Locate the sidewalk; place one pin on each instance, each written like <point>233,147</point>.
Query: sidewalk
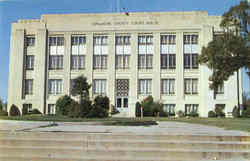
<point>166,128</point>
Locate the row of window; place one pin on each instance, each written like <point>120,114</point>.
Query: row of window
<point>169,108</point>
<point>121,40</point>
<point>123,52</point>
<point>78,62</point>
<point>144,86</point>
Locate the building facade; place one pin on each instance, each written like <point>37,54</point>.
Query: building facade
<point>124,56</point>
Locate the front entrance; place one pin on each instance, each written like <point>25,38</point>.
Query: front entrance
<point>122,90</point>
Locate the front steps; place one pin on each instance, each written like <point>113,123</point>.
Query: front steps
<point>52,146</point>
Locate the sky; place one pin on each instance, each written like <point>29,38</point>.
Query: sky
<point>12,10</point>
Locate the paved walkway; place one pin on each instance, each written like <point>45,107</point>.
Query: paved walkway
<point>167,128</point>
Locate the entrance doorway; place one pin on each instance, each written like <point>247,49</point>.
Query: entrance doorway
<point>122,91</point>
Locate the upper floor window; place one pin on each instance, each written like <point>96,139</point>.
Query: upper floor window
<point>122,52</point>
<point>29,62</point>
<point>220,89</point>
<point>56,52</point>
<point>30,41</point>
<point>191,50</point>
<point>55,86</point>
<point>190,86</point>
<point>145,86</point>
<point>168,51</point>
<point>28,86</point>
<point>100,52</point>
<point>168,86</point>
<point>78,52</point>
<point>146,51</point>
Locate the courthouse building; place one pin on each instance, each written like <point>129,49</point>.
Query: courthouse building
<point>125,56</point>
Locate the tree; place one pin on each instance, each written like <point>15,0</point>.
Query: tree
<point>228,52</point>
<point>1,105</point>
<point>81,88</point>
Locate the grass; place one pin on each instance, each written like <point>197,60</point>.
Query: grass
<point>242,124</point>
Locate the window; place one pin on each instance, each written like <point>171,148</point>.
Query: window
<point>145,86</point>
<point>51,109</point>
<point>55,86</point>
<point>30,41</point>
<point>100,52</point>
<point>191,49</point>
<point>29,63</point>
<point>28,107</point>
<point>123,51</point>
<point>168,51</point>
<point>146,51</point>
<point>220,89</point>
<point>191,86</point>
<point>168,86</point>
<point>99,86</point>
<point>28,87</point>
<point>56,52</point>
<point>169,108</point>
<point>191,108</point>
<point>78,52</point>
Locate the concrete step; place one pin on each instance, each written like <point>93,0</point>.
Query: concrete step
<point>111,136</point>
<point>121,144</point>
<point>113,154</point>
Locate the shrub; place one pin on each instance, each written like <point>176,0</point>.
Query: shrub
<point>180,113</point>
<point>24,110</point>
<point>211,114</point>
<point>147,106</point>
<point>63,105</point>
<point>85,107</point>
<point>138,109</point>
<point>74,110</point>
<point>14,111</point>
<point>35,111</point>
<point>246,113</point>
<point>97,112</point>
<point>193,114</point>
<point>3,113</point>
<point>219,110</point>
<point>100,107</point>
<point>102,101</point>
<point>236,112</point>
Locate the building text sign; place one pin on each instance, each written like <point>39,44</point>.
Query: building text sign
<point>123,23</point>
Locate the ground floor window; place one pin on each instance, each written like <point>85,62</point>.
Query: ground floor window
<point>169,108</point>
<point>28,107</point>
<point>191,108</point>
<point>51,109</point>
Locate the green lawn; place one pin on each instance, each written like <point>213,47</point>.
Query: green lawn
<point>242,124</point>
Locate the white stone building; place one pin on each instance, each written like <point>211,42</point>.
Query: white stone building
<point>124,56</point>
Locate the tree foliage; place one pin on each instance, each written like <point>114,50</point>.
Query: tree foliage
<point>228,51</point>
<point>81,88</point>
<point>226,54</point>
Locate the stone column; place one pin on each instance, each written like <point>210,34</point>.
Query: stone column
<point>40,79</point>
<point>16,79</point>
<point>179,72</point>
<point>156,75</point>
<point>133,82</point>
<point>66,65</point>
<point>111,68</point>
<point>89,61</point>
